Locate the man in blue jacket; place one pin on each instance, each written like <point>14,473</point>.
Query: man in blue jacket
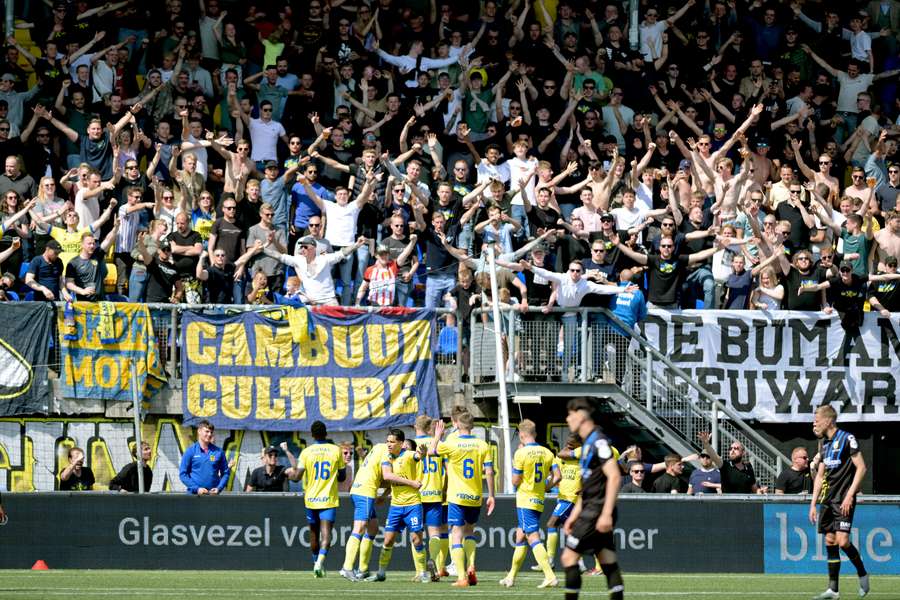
<point>204,468</point>
<point>631,308</point>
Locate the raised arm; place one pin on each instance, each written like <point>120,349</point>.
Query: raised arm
<point>820,61</point>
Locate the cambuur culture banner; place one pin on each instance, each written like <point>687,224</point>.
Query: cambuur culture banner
<point>99,341</point>
<point>778,366</point>
<point>283,369</point>
<point>25,339</point>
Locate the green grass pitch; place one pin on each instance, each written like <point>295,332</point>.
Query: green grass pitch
<point>159,585</point>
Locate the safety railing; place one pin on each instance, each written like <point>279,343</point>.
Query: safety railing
<point>446,342</point>
<point>582,345</point>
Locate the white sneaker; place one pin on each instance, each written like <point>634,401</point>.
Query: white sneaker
<point>828,594</point>
<point>863,586</point>
<point>548,583</point>
<point>423,578</point>
<point>349,575</point>
<point>507,582</point>
<point>451,570</point>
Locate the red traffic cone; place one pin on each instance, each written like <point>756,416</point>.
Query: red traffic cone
<point>40,565</point>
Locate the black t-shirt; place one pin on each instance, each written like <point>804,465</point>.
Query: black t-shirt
<point>667,483</point>
<point>228,238</point>
<point>794,482</point>
<point>46,273</point>
<point>888,294</point>
<point>127,478</point>
<point>796,280</point>
<point>220,284</point>
<point>632,488</point>
<point>737,481</point>
<point>261,481</point>
<point>665,278</point>
<point>848,298</point>
<point>186,265</point>
<point>799,231</point>
<point>162,280</point>
<point>75,482</point>
<point>437,258</point>
<point>540,219</point>
<point>86,273</point>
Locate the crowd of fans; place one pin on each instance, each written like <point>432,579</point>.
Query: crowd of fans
<point>744,156</point>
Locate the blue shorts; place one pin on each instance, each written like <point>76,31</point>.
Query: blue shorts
<point>529,519</point>
<point>462,515</point>
<point>435,513</point>
<point>563,509</point>
<point>363,508</point>
<point>314,516</point>
<point>401,517</point>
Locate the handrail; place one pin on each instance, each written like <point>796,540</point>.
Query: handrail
<point>644,343</point>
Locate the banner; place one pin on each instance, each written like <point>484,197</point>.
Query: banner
<point>793,545</point>
<point>25,340</point>
<point>99,344</point>
<point>283,369</point>
<point>779,366</point>
<point>266,531</point>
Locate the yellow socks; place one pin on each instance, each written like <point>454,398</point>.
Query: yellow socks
<point>469,544</point>
<point>385,559</point>
<point>458,554</point>
<point>419,558</point>
<point>540,555</point>
<point>552,542</point>
<point>365,552</point>
<point>518,559</point>
<point>352,550</point>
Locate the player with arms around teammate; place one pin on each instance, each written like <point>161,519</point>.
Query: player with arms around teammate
<point>589,529</point>
<point>402,469</point>
<point>533,472</point>
<point>836,484</point>
<point>569,488</point>
<point>321,464</point>
<point>434,479</point>
<point>364,492</point>
<point>468,459</point>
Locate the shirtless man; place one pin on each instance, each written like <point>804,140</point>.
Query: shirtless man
<point>858,189</point>
<point>820,176</point>
<point>704,141</point>
<point>887,241</point>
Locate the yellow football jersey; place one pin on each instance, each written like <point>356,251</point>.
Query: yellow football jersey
<point>368,477</point>
<point>570,484</point>
<point>534,463</point>
<point>408,466</point>
<point>321,463</point>
<point>433,474</point>
<point>467,458</point>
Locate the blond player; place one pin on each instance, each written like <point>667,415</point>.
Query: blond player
<point>468,462</point>
<point>533,472</point>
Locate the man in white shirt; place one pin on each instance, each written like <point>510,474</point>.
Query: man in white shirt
<point>569,290</point>
<point>651,30</point>
<point>852,83</point>
<point>314,269</point>
<point>264,134</point>
<point>340,218</point>
<point>413,62</point>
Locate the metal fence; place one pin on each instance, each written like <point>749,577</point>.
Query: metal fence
<point>580,345</point>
